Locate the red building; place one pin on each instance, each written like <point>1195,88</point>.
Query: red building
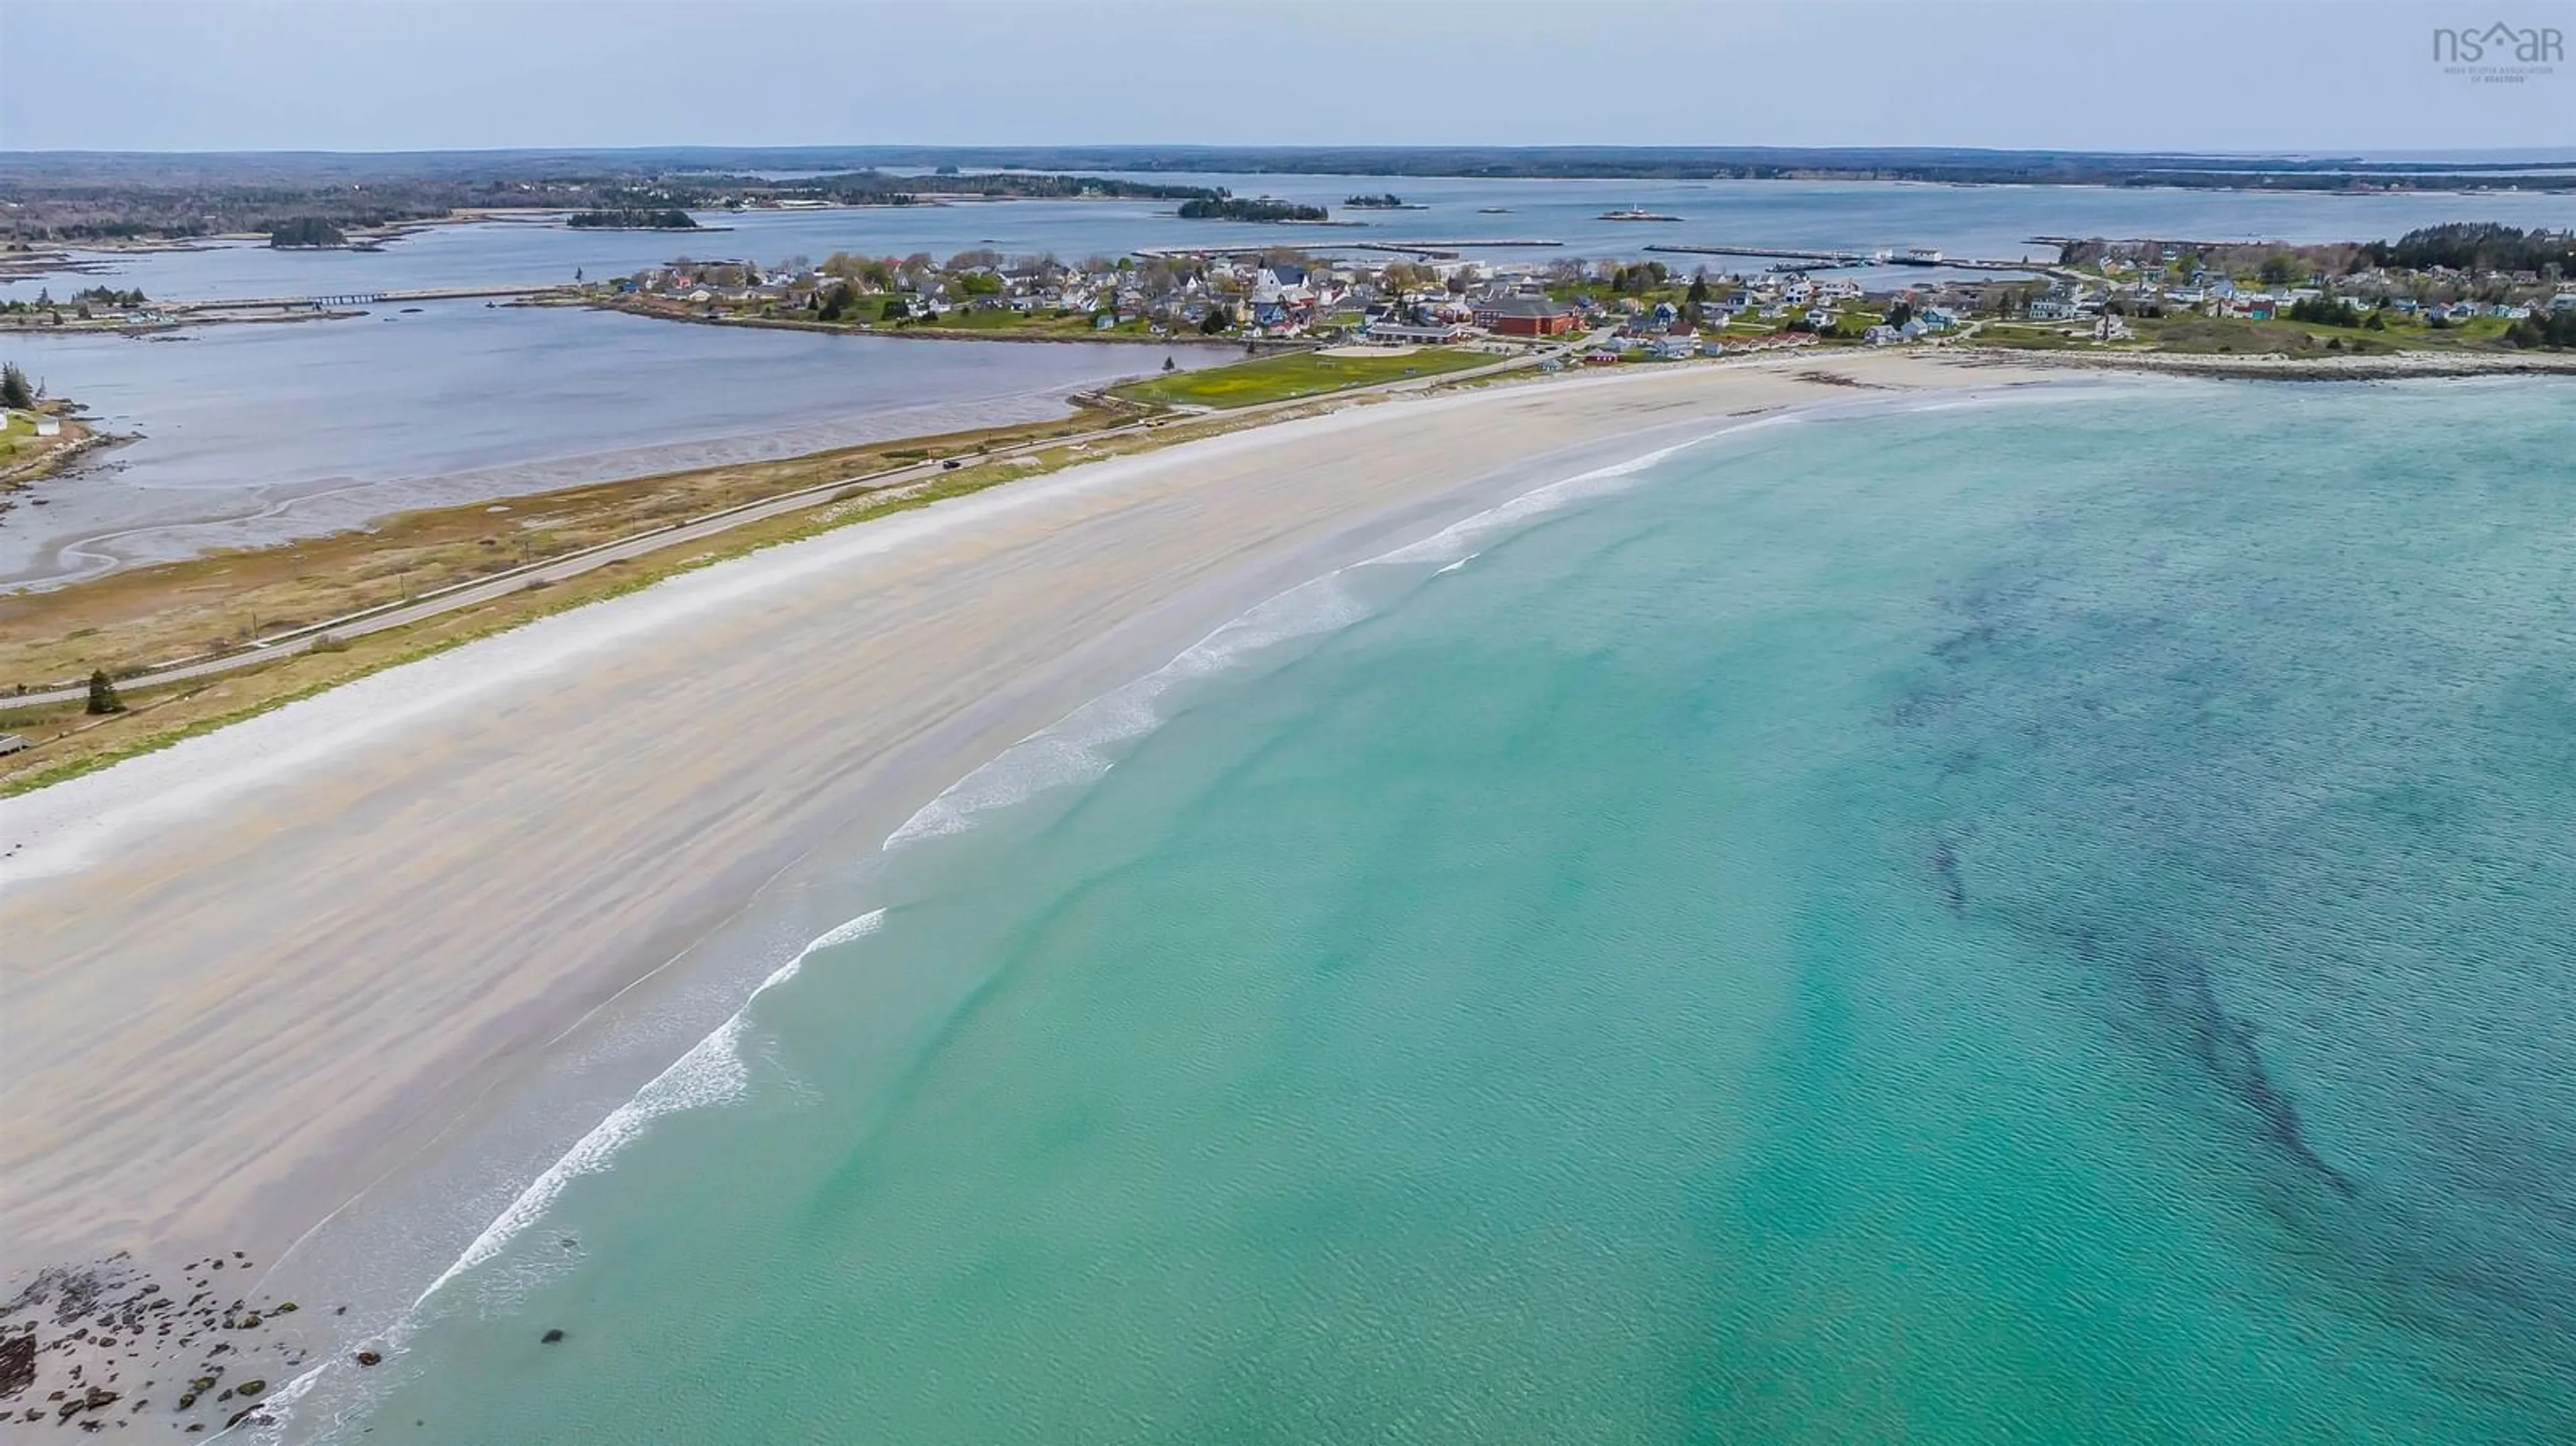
<point>1525,316</point>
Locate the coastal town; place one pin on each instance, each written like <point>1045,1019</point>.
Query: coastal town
<point>2480,283</point>
<point>2490,287</point>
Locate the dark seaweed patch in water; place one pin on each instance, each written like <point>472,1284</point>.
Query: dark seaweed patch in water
<point>2275,757</point>
<point>2224,1044</point>
<point>2175,987</point>
<point>1945,867</point>
<point>2003,621</point>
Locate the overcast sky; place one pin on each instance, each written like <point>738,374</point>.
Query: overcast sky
<point>438,74</point>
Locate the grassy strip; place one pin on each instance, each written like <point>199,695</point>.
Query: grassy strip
<point>2192,335</point>
<point>133,620</point>
<point>1298,374</point>
<point>353,662</point>
<point>357,658</point>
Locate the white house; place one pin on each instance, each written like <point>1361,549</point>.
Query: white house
<point>1404,334</point>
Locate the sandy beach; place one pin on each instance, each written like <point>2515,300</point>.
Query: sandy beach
<point>248,977</point>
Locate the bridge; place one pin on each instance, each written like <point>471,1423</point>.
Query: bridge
<point>346,299</point>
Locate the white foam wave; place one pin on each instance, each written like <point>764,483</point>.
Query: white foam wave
<point>858,928</point>
<point>1072,751</point>
<point>712,1072</point>
<point>1457,542</point>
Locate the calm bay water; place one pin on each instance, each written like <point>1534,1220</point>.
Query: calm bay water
<point>2018,923</point>
<point>261,434</point>
<point>250,434</point>
<point>1994,222</point>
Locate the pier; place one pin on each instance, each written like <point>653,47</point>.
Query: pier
<point>342,300</point>
<point>1856,258</point>
<point>1452,247</point>
<point>1775,253</point>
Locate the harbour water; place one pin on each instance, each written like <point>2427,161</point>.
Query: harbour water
<point>2021,921</point>
<point>1992,222</point>
<point>255,435</point>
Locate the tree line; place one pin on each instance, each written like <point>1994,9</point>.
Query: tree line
<point>117,198</point>
<point>633,219</point>
<point>2477,246</point>
<point>1237,208</point>
<point>2554,329</point>
<point>305,231</point>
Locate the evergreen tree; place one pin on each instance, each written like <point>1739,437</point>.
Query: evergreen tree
<point>102,694</point>
<point>305,231</point>
<point>14,390</point>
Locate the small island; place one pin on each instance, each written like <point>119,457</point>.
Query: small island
<point>1236,208</point>
<point>1388,201</point>
<point>633,219</point>
<point>305,233</point>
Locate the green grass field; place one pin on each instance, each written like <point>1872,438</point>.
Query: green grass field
<point>16,430</point>
<point>1042,323</point>
<point>2239,336</point>
<point>1297,374</point>
<point>2307,338</point>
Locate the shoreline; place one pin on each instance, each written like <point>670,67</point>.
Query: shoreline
<point>281,1072</point>
<point>2418,365</point>
<point>187,524</point>
<point>984,620</point>
<point>924,333</point>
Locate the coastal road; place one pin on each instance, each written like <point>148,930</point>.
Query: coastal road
<point>699,529</point>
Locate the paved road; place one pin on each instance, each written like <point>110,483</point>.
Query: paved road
<point>474,594</point>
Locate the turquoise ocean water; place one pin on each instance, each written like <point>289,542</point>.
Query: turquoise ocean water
<point>2034,922</point>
